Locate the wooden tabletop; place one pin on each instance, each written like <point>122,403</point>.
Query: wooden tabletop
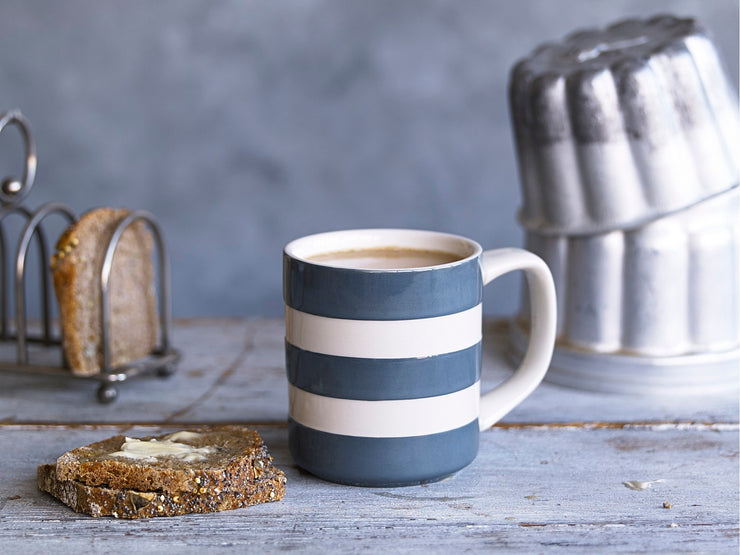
<point>566,470</point>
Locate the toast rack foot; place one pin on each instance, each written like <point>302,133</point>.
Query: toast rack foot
<point>107,393</point>
<point>166,371</point>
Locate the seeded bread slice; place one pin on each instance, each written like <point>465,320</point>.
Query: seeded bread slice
<point>129,504</point>
<point>76,267</point>
<point>238,456</point>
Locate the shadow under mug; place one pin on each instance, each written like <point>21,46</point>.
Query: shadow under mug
<point>384,365</point>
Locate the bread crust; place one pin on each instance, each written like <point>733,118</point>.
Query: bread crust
<point>76,266</point>
<point>130,504</point>
<point>240,457</point>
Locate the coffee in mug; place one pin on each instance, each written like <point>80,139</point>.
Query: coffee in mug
<point>383,352</point>
<point>385,258</point>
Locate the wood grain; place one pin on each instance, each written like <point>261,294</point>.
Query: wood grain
<point>234,371</point>
<point>549,478</point>
<point>530,489</point>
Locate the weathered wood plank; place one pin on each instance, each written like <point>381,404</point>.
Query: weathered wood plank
<point>233,370</point>
<point>211,348</point>
<point>529,490</point>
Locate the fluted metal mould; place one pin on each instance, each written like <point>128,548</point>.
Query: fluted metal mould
<point>650,309</point>
<point>618,127</point>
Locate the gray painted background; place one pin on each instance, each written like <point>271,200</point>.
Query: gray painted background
<point>243,125</point>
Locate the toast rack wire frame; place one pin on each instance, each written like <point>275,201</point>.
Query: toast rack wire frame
<point>163,359</point>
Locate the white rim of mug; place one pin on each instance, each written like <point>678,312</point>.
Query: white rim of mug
<point>293,249</point>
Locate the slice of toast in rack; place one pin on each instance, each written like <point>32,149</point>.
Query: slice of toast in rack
<point>76,267</point>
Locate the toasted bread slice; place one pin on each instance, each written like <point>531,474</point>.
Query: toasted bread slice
<point>76,266</point>
<point>129,504</point>
<point>224,458</point>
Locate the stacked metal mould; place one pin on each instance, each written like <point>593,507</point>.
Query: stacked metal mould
<point>628,142</point>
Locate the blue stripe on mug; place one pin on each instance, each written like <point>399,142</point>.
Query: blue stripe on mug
<point>383,462</point>
<point>377,379</point>
<point>391,295</point>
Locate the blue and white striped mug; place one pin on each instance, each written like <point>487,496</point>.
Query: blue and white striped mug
<point>383,354</point>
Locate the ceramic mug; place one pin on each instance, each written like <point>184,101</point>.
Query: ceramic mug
<point>383,356</point>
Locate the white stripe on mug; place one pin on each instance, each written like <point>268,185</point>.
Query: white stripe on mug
<point>398,418</point>
<point>418,338</point>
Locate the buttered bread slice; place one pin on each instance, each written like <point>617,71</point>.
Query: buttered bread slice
<point>130,504</point>
<point>202,461</point>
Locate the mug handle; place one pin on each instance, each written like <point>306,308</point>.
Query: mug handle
<point>504,397</point>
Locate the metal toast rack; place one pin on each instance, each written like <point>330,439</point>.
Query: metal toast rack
<point>47,335</point>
